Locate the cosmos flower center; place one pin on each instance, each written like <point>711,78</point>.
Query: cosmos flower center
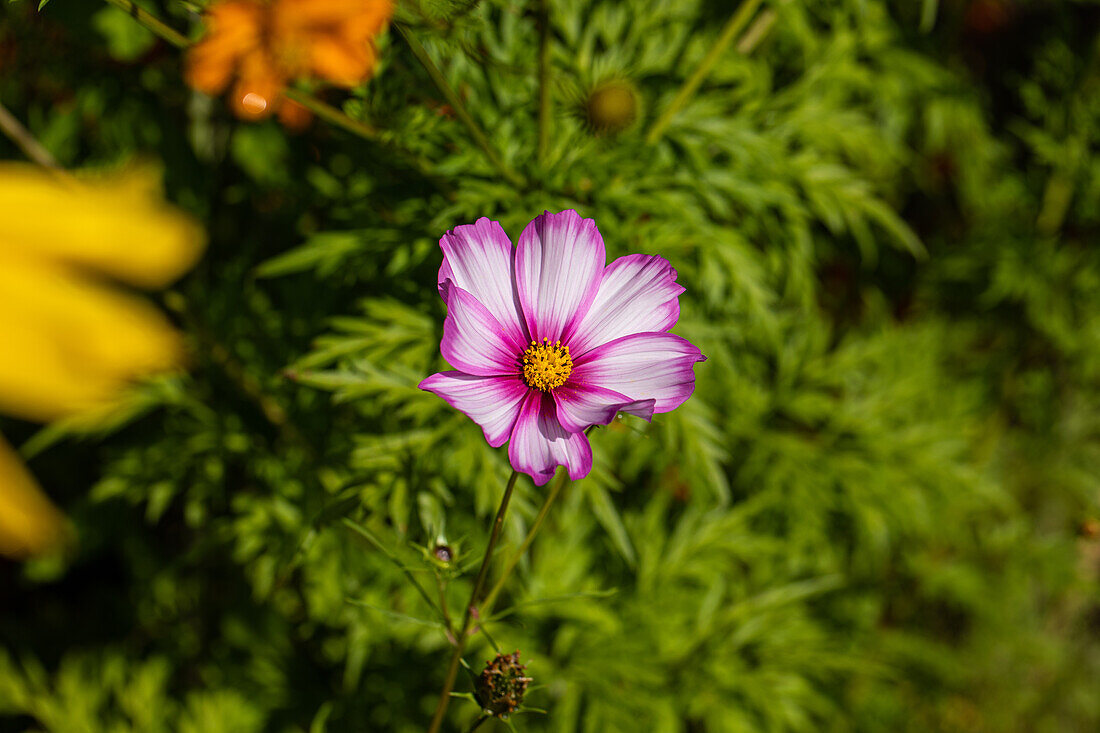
<point>546,365</point>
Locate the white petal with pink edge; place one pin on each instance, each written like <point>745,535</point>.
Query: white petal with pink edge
<point>657,366</point>
<point>491,402</point>
<point>559,263</point>
<point>473,341</point>
<point>540,444</point>
<point>581,406</point>
<point>638,294</point>
<point>478,258</point>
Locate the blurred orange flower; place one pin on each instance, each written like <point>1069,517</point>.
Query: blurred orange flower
<point>70,343</point>
<point>265,44</point>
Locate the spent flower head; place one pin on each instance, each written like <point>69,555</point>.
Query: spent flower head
<point>502,684</point>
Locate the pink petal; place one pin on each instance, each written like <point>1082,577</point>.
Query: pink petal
<point>491,402</point>
<point>638,294</point>
<point>580,406</point>
<point>658,366</point>
<point>473,341</point>
<point>478,258</point>
<point>559,263</point>
<point>540,444</point>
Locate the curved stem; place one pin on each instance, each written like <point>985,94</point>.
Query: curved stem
<point>331,114</point>
<point>487,606</point>
<point>479,584</point>
<point>152,22</point>
<point>14,130</point>
<point>733,27</point>
<point>460,109</point>
<point>335,116</point>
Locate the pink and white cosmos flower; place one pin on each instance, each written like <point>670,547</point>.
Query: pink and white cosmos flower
<point>546,340</point>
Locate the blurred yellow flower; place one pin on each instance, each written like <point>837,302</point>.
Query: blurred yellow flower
<point>29,524</point>
<point>70,342</point>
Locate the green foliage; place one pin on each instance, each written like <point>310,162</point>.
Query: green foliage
<point>127,696</point>
<point>866,518</point>
<point>126,40</point>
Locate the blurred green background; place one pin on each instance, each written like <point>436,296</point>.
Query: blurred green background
<point>879,512</point>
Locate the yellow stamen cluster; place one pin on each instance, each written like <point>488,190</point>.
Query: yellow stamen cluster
<point>546,365</point>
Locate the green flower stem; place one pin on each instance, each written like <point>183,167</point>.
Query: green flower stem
<point>555,489</point>
<point>477,723</point>
<point>467,617</point>
<point>443,607</point>
<point>152,22</point>
<point>460,109</point>
<point>544,79</point>
<point>687,91</point>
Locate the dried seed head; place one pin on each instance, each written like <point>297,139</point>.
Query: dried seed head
<point>501,685</point>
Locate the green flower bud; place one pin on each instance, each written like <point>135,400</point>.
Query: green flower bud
<point>443,553</point>
<point>611,107</point>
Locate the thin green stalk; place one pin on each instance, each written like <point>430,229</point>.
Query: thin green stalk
<point>365,534</point>
<point>928,15</point>
<point>687,91</point>
<point>331,114</point>
<point>555,489</point>
<point>544,79</point>
<point>479,584</point>
<point>152,22</point>
<point>757,32</point>
<point>443,607</point>
<point>336,117</point>
<point>1057,196</point>
<point>14,130</point>
<point>460,109</point>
